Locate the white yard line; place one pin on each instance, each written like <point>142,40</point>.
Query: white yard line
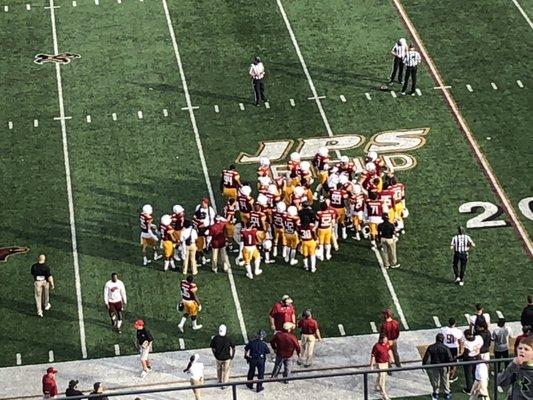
<point>367,95</point>
<point>468,133</point>
<point>117,350</point>
<point>393,93</point>
<point>373,327</point>
<point>418,91</point>
<point>267,104</point>
<point>28,7</point>
<point>217,109</point>
<point>499,314</point>
<point>69,186</point>
<point>519,83</point>
<point>88,119</point>
<point>35,123</point>
<point>51,352</point>
<point>19,359</point>
<point>165,112</point>
<point>469,88</point>
<point>523,13</point>
<point>467,316</point>
<point>140,114</point>
<point>114,116</point>
<point>343,99</point>
<point>10,125</point>
<point>6,8</point>
<point>241,106</point>
<point>182,343</point>
<point>202,158</point>
<point>341,329</point>
<point>292,102</point>
<point>437,321</point>
<point>330,134</point>
<point>494,86</point>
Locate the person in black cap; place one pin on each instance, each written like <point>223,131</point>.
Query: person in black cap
<point>387,239</point>
<point>71,390</point>
<point>257,73</point>
<point>98,389</point>
<point>255,354</point>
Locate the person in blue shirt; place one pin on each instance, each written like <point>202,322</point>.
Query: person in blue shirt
<point>255,354</point>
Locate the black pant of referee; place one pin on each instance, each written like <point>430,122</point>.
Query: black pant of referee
<point>259,91</point>
<point>410,72</point>
<point>397,67</point>
<point>459,265</point>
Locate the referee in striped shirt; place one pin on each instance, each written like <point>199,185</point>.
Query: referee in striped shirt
<point>411,60</point>
<point>461,244</point>
<point>398,51</point>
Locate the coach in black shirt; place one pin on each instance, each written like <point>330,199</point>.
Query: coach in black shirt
<point>42,282</point>
<point>438,353</point>
<point>224,351</point>
<point>386,236</point>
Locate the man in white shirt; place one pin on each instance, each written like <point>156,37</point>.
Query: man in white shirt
<point>257,73</point>
<point>189,236</point>
<point>115,300</point>
<point>399,50</point>
<point>472,347</point>
<point>411,60</point>
<point>453,339</point>
<point>478,318</point>
<point>196,371</point>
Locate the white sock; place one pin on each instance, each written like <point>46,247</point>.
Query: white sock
<point>293,254</point>
<point>145,260</point>
<point>286,253</point>
<point>119,323</point>
<point>194,323</point>
<point>267,256</point>
<point>305,263</point>
<point>172,264</point>
<point>313,263</point>
<point>275,251</point>
<point>249,271</point>
<point>167,263</point>
<point>328,250</point>
<point>182,322</point>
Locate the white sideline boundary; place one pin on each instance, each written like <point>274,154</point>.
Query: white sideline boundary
<point>202,159</point>
<point>330,134</point>
<point>468,133</point>
<point>526,17</point>
<point>69,186</point>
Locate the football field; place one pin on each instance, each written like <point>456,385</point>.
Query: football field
<point>160,102</point>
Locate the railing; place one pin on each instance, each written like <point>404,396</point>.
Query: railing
<point>365,373</point>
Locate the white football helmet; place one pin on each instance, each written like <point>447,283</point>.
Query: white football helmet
<point>305,166</point>
<point>264,161</point>
<point>292,211</point>
<point>299,191</point>
<point>262,199</point>
<point>333,179</point>
<point>345,159</point>
<point>246,190</point>
<point>357,188</point>
<point>372,156</point>
<point>370,167</point>
<point>323,151</point>
<point>272,189</point>
<point>264,180</point>
<point>281,207</point>
<point>147,209</point>
<point>166,219</point>
<point>177,209</point>
<point>295,156</point>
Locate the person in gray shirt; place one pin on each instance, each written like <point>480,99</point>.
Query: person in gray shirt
<point>500,337</point>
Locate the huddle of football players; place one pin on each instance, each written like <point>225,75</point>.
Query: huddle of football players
<point>281,215</point>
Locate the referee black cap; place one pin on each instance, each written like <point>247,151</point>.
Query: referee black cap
<point>461,230</point>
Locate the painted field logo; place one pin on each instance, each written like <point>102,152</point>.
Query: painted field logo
<point>5,252</point>
<point>390,145</point>
<point>62,58</point>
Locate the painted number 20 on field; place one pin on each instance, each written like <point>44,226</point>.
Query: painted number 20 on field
<point>489,212</point>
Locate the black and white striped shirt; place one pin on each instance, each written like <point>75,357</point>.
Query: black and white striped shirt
<point>462,243</point>
<point>412,58</point>
<point>399,50</point>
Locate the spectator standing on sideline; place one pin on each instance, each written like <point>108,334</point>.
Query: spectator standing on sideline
<point>98,389</point>
<point>257,73</point>
<point>382,356</point>
<point>43,281</point>
<point>284,344</point>
<point>115,300</point>
<point>50,390</point>
<point>479,318</point>
<point>461,244</point>
<point>144,344</point>
<point>189,236</point>
<point>526,332</point>
<point>310,333</point>
<point>519,373</point>
<point>411,60</point>
<point>527,313</point>
<point>196,371</point>
<point>472,345</point>
<point>399,51</point>
<point>71,390</point>
<point>217,231</point>
<point>224,350</point>
<point>480,388</point>
<point>500,337</point>
<point>386,236</point>
<point>255,354</point>
<point>391,328</point>
<point>439,353</point>
<point>484,333</point>
<point>453,339</point>
<point>281,312</point>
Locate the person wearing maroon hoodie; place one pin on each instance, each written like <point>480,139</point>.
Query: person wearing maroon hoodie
<point>50,390</point>
<point>391,328</point>
<point>218,244</point>
<point>284,345</point>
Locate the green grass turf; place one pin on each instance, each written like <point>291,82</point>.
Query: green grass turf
<point>128,65</point>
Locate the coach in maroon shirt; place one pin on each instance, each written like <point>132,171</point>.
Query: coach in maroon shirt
<point>283,311</point>
<point>310,333</point>
<point>49,383</point>
<point>218,244</point>
<point>284,345</point>
<point>391,328</point>
<point>382,356</point>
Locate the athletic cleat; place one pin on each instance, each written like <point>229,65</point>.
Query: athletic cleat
<point>270,261</point>
<point>294,262</point>
<point>457,280</point>
<point>146,262</point>
<point>250,276</point>
<point>328,257</point>
<point>48,306</point>
<point>258,271</point>
<point>461,283</point>
<point>40,313</point>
